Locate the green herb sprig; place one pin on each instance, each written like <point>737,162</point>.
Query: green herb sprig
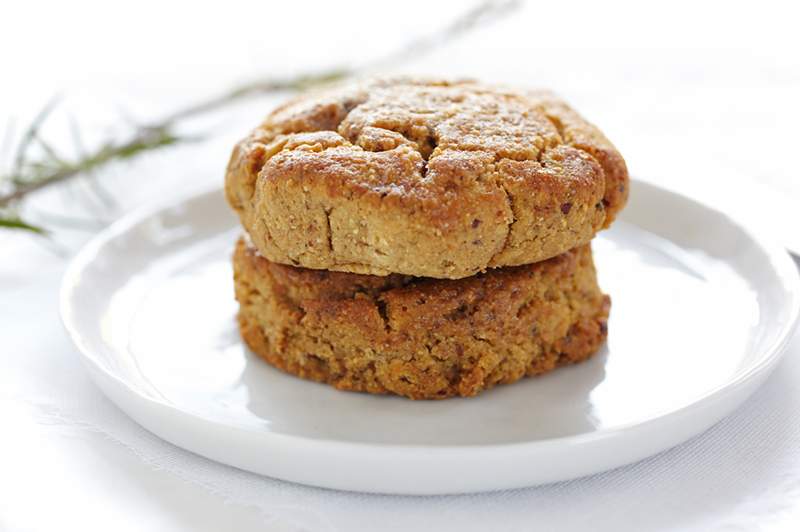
<point>29,174</point>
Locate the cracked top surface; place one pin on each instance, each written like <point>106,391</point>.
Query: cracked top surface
<point>425,178</point>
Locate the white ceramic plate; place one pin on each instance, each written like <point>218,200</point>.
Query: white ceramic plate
<point>701,311</point>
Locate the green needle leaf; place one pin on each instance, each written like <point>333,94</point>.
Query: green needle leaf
<point>17,223</point>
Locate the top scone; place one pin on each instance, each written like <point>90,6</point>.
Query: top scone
<point>425,178</point>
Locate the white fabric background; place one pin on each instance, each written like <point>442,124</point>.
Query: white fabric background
<point>700,97</point>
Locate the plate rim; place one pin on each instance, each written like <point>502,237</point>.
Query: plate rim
<point>769,355</point>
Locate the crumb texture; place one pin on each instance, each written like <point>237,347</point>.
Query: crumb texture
<point>427,178</point>
<point>421,338</point>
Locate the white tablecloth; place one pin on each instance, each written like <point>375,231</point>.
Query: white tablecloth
<point>705,114</point>
<point>71,460</point>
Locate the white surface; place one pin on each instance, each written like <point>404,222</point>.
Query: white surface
<point>695,95</point>
<point>149,303</point>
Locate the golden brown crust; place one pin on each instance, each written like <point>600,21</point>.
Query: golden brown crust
<point>436,179</point>
<point>421,338</point>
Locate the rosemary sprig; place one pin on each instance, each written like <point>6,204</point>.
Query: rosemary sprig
<point>12,222</point>
<point>28,175</point>
<point>145,139</point>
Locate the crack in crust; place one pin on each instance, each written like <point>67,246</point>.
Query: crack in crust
<point>509,227</point>
<point>400,169</point>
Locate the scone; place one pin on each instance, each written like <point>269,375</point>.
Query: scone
<point>424,178</point>
<point>421,338</point>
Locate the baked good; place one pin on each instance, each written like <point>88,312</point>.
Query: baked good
<point>425,178</point>
<point>420,338</point>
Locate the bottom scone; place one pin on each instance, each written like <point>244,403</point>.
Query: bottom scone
<point>418,337</point>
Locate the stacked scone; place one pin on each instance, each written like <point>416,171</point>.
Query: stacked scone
<point>422,238</point>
